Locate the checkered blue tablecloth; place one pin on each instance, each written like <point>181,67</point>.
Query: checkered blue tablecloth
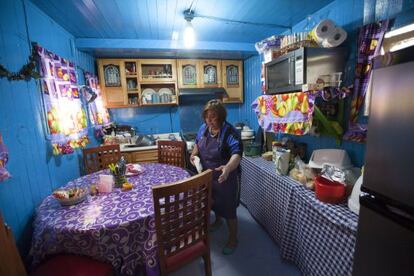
<point>318,237</point>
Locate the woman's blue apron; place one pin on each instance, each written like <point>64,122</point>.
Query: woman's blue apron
<point>225,194</point>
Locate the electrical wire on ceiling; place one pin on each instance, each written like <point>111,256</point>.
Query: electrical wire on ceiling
<point>190,14</point>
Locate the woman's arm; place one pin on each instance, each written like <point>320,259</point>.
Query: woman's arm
<point>229,167</point>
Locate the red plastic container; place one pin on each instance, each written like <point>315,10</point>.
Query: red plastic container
<point>329,191</point>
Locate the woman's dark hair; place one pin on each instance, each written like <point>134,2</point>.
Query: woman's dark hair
<point>217,107</point>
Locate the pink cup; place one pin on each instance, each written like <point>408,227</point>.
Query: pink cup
<point>105,183</point>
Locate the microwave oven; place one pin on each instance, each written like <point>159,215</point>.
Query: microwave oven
<point>303,66</point>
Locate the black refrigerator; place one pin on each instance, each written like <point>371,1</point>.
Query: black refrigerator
<point>385,238</point>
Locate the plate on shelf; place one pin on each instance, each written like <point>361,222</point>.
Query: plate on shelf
<point>165,95</point>
<point>133,169</point>
<point>165,91</point>
<point>147,95</point>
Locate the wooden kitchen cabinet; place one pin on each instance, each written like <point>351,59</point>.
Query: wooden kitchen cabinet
<point>138,82</point>
<point>210,72</point>
<point>197,73</point>
<point>113,82</point>
<point>188,71</point>
<point>141,156</point>
<point>158,82</point>
<point>232,72</point>
<point>157,70</point>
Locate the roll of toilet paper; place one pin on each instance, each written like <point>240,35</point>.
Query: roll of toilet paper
<point>323,30</point>
<point>335,39</point>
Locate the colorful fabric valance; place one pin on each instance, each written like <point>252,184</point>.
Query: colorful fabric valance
<point>66,117</point>
<point>98,114</point>
<point>285,113</point>
<point>4,157</point>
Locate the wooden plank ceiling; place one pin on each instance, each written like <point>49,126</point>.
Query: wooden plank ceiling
<point>155,20</point>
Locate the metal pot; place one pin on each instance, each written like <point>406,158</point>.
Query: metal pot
<point>144,140</point>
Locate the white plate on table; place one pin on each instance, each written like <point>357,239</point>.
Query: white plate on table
<point>133,169</point>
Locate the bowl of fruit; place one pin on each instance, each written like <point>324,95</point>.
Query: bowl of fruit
<point>70,196</point>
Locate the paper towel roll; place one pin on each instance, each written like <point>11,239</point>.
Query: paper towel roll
<point>335,39</point>
<point>197,164</point>
<point>323,30</point>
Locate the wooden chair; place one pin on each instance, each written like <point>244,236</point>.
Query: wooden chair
<point>182,214</point>
<point>96,159</point>
<point>59,265</point>
<point>171,152</point>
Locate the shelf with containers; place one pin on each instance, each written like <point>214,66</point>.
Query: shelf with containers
<point>132,81</point>
<point>158,82</point>
<point>159,94</point>
<point>157,70</point>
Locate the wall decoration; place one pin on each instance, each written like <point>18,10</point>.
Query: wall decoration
<point>27,72</point>
<point>98,114</point>
<point>66,118</point>
<point>285,113</point>
<point>4,157</point>
<point>369,44</point>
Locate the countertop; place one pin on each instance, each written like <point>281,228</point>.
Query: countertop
<point>162,136</point>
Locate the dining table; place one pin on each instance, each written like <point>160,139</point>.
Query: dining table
<point>116,227</point>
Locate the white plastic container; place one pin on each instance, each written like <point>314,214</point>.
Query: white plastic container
<point>334,157</point>
<point>353,200</point>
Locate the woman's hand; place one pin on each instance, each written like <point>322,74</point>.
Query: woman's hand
<point>192,156</point>
<point>224,173</point>
<point>194,153</point>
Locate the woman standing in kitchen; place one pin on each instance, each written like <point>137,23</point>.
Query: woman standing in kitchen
<point>219,148</point>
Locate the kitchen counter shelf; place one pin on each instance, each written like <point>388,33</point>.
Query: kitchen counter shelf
<point>320,238</point>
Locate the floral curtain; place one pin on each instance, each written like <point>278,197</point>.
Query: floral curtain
<point>98,114</point>
<point>66,118</point>
<point>369,44</point>
<point>4,157</point>
<point>285,113</point>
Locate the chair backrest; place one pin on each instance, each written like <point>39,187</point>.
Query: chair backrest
<point>171,152</point>
<point>10,261</point>
<point>99,158</point>
<point>182,214</point>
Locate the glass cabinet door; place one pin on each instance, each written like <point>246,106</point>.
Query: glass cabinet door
<point>232,75</point>
<point>112,75</point>
<point>189,74</point>
<point>210,74</point>
<point>157,70</point>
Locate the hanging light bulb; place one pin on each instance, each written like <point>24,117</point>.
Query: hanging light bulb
<point>189,34</point>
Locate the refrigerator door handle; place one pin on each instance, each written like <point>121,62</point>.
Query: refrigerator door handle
<point>396,214</point>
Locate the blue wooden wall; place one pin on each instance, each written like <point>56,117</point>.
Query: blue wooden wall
<point>35,171</point>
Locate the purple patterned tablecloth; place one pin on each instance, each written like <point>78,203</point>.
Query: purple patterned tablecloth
<point>117,227</point>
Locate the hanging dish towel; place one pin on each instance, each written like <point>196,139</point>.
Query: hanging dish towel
<point>286,113</point>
